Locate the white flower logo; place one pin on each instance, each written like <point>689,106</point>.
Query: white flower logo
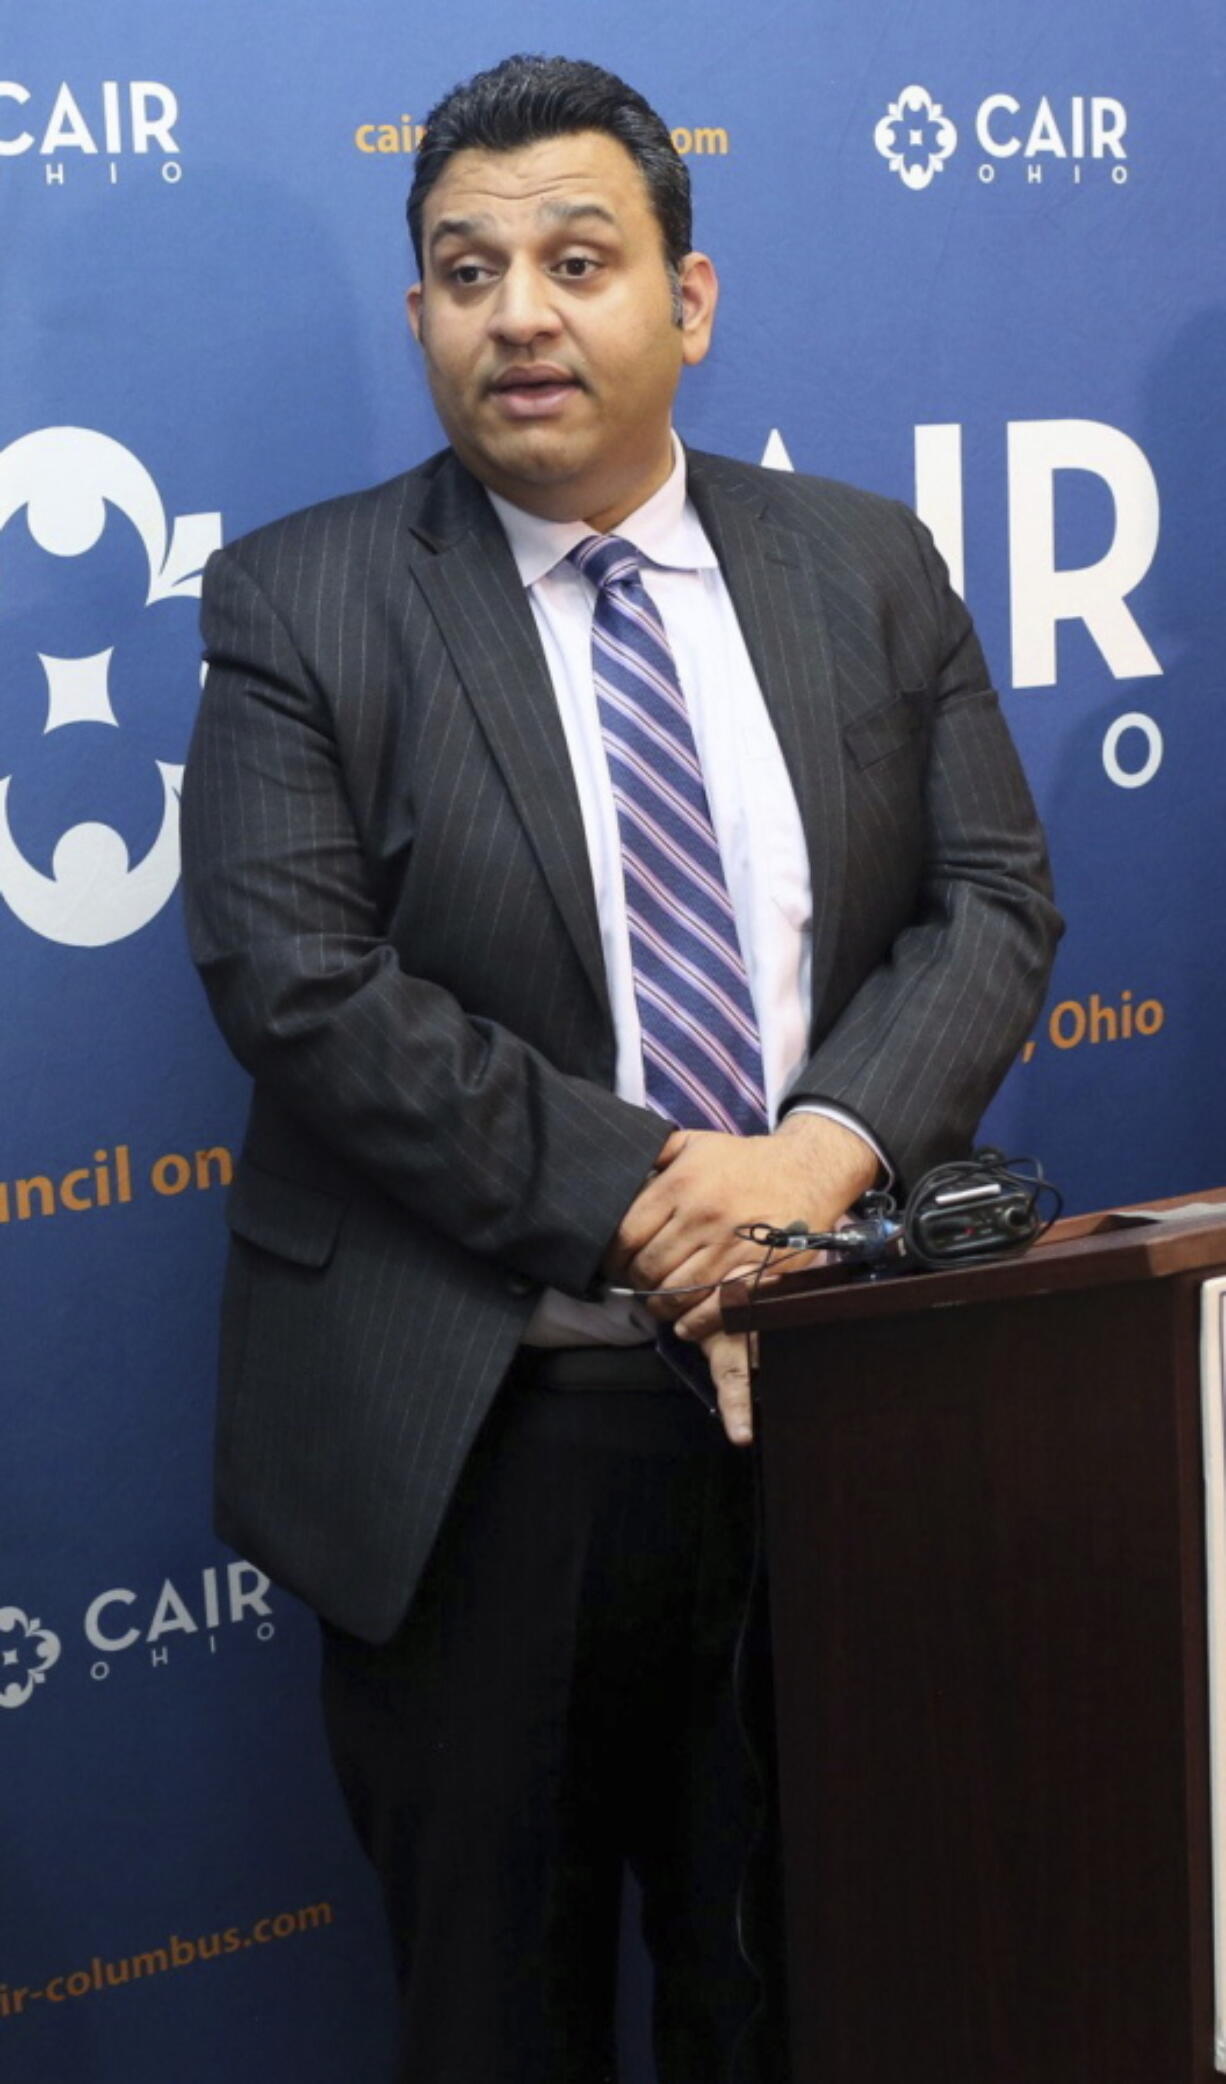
<point>915,137</point>
<point>109,717</point>
<point>27,1653</point>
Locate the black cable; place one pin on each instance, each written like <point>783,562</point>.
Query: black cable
<point>983,1207</point>
<point>776,1259</point>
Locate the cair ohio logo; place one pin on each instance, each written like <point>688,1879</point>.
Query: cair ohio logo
<point>1034,141</point>
<point>71,127</point>
<point>99,681</point>
<point>120,1620</point>
<point>27,1653</point>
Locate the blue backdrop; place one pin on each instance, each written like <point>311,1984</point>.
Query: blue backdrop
<point>969,257</point>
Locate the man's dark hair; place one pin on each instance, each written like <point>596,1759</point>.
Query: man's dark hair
<point>525,100</point>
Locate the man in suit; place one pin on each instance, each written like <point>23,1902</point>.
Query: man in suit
<point>487,1099</point>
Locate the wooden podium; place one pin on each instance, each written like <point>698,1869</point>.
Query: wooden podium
<point>985,1529</point>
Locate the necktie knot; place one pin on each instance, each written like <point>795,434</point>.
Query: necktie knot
<point>607,560</point>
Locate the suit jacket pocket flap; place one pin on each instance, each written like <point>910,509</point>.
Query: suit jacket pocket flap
<point>283,1217</point>
<point>884,730</point>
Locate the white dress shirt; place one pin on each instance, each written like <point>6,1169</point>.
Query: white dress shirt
<point>753,806</point>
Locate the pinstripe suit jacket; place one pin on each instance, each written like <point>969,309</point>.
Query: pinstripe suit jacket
<point>389,901</point>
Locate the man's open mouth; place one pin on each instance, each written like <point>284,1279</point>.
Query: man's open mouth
<point>546,378</point>
<point>532,391</point>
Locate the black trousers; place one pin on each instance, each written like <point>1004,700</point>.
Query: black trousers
<point>559,1702</point>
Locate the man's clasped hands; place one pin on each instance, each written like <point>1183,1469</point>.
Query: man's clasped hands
<point>680,1231</point>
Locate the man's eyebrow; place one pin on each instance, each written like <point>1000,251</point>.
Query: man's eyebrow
<point>556,212</point>
<point>459,228</point>
<point>566,213</point>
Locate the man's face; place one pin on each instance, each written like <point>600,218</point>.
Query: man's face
<point>548,321</point>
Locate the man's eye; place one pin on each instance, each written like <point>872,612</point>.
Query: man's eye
<point>576,265</point>
<point>467,274</point>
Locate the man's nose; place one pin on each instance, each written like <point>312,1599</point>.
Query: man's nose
<point>524,308</point>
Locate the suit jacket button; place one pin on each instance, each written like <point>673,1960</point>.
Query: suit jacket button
<point>518,1284</point>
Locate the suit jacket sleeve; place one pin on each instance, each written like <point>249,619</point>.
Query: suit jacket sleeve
<point>919,1047</point>
<point>461,1122</point>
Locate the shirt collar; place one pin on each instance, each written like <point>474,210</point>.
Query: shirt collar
<point>665,528</point>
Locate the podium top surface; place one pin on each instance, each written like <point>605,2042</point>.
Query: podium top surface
<point>1110,1248</point>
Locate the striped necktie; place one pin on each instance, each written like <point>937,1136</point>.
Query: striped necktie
<point>702,1056</point>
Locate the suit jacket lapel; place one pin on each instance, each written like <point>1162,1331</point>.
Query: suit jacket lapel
<point>770,571</point>
<point>465,568</point>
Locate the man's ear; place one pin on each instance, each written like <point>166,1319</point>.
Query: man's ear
<point>412,305</point>
<point>699,286</point>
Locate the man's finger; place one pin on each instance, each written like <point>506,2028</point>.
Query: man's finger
<point>728,1358</point>
<point>667,1309</point>
<point>686,1284</point>
<point>702,1317</point>
<point>653,1206</point>
<point>692,1277</point>
<point>637,1233</point>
